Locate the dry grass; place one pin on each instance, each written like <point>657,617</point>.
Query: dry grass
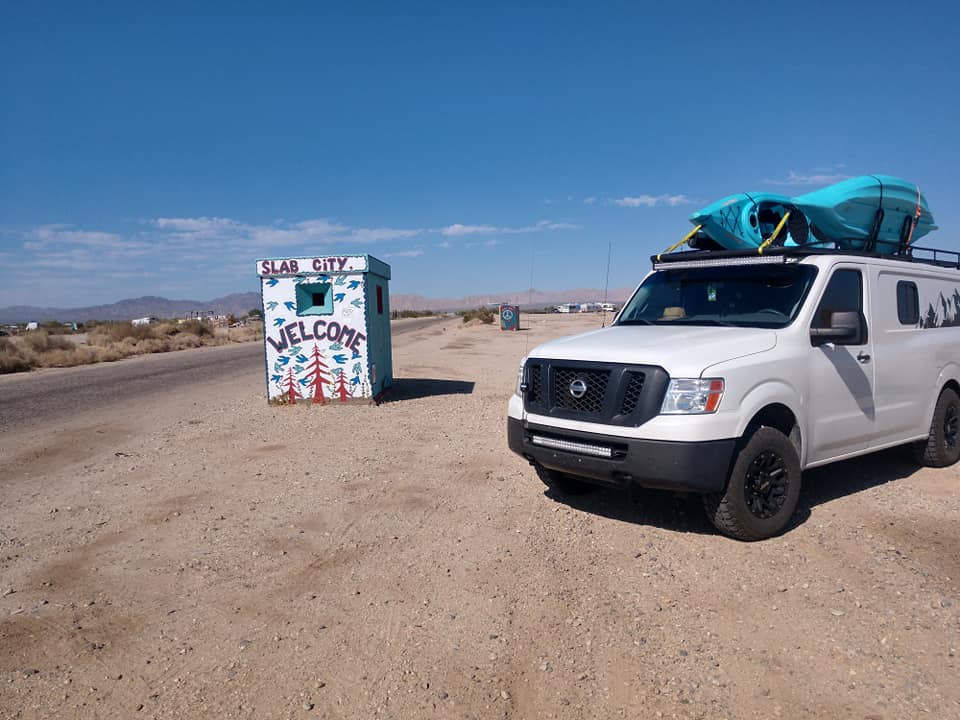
<point>115,341</point>
<point>13,358</point>
<point>484,315</point>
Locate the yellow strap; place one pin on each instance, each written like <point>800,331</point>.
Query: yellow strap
<point>773,237</point>
<point>681,242</point>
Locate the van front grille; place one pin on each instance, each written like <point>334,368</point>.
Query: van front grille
<point>607,393</point>
<point>566,387</point>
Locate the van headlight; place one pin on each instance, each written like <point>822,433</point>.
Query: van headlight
<point>692,396</point>
<point>518,389</point>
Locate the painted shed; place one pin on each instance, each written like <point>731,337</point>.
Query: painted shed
<point>326,328</point>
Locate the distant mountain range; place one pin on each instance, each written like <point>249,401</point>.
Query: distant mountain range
<point>242,303</point>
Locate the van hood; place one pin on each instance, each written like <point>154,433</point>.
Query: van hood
<point>683,351</point>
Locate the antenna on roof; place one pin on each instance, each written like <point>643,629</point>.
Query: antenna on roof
<point>526,336</point>
<point>606,286</point>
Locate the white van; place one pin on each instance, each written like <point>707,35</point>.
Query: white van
<point>728,373</point>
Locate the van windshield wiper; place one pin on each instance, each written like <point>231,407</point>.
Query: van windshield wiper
<point>635,321</point>
<point>705,321</point>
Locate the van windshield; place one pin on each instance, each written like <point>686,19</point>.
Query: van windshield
<point>766,296</point>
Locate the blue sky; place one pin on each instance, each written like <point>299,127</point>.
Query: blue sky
<point>158,149</point>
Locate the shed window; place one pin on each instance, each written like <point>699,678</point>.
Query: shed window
<point>908,303</point>
<point>314,299</point>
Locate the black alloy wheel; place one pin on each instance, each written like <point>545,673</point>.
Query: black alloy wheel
<point>942,446</point>
<point>762,490</point>
<point>951,427</point>
<point>766,486</point>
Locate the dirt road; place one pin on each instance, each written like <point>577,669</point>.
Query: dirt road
<point>194,552</point>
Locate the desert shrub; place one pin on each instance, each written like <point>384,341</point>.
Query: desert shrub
<point>196,327</point>
<point>182,341</point>
<point>13,358</point>
<point>254,331</point>
<point>69,358</point>
<point>412,313</point>
<point>484,315</point>
<point>154,345</point>
<point>40,341</point>
<point>166,329</point>
<point>111,353</point>
<point>126,329</point>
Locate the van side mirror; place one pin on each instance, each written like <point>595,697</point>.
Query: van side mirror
<point>843,326</point>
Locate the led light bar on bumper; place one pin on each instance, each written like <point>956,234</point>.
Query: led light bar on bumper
<point>692,396</point>
<point>572,446</point>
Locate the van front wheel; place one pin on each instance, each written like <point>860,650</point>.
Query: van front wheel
<point>762,491</point>
<point>942,447</point>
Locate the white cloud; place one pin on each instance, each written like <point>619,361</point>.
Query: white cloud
<point>47,236</point>
<point>416,252</point>
<point>651,201</point>
<point>457,229</point>
<point>815,178</point>
<point>589,201</point>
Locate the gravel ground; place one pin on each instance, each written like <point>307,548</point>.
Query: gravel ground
<point>198,553</point>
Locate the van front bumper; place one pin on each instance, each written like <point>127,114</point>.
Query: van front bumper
<point>686,466</point>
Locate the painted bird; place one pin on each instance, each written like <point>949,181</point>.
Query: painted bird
<point>301,358</point>
<point>339,296</point>
<point>277,322</point>
<point>290,305</point>
<point>353,284</point>
<point>340,359</point>
<point>272,305</point>
<point>272,281</point>
<point>357,303</point>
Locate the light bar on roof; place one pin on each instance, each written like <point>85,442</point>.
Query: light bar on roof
<point>721,262</point>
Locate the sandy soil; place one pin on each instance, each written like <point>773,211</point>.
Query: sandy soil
<point>202,554</point>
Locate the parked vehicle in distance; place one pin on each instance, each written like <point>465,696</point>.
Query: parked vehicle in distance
<point>728,373</point>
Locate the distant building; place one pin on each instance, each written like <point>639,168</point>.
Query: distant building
<point>32,326</point>
<point>143,321</point>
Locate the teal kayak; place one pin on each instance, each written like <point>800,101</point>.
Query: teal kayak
<point>871,212</point>
<point>745,220</point>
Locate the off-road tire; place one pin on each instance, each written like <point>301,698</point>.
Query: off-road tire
<point>942,446</point>
<point>564,484</point>
<point>762,490</point>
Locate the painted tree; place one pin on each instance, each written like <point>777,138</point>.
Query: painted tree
<point>292,393</point>
<point>318,372</point>
<point>341,388</point>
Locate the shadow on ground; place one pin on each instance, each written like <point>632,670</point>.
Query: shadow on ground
<point>684,513</point>
<point>414,388</point>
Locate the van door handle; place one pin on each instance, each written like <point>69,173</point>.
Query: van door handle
<point>863,357</point>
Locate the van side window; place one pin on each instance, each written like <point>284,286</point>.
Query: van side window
<point>844,293</point>
<point>908,303</point>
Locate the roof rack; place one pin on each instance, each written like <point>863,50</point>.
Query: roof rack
<point>782,254</point>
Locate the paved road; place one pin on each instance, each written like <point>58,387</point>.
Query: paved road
<point>28,399</point>
<point>31,398</point>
